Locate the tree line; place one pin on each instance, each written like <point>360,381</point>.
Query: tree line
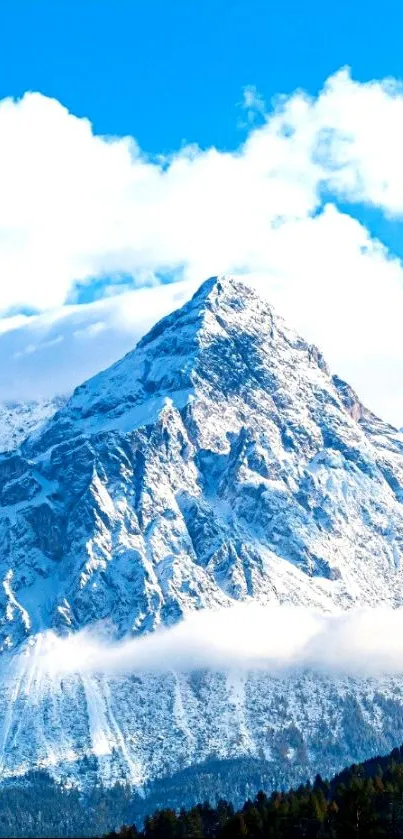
<point>364,801</point>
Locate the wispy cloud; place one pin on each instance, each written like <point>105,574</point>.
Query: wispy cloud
<point>55,351</point>
<point>253,105</point>
<point>362,642</point>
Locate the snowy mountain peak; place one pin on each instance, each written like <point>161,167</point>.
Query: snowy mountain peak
<point>216,295</point>
<point>219,461</point>
<point>225,340</point>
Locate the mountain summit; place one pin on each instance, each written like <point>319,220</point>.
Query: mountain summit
<point>218,461</point>
<point>215,346</point>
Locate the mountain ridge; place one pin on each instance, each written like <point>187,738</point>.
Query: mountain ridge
<point>18,418</point>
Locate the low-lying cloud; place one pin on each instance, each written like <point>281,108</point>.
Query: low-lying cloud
<point>361,642</point>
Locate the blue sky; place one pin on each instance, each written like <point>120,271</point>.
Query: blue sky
<point>168,72</point>
<point>86,222</point>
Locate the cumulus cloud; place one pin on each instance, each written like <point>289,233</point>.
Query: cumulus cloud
<point>75,205</point>
<point>77,208</point>
<point>362,642</point>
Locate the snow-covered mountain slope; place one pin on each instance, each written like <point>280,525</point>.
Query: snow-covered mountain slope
<point>18,419</point>
<point>218,461</point>
<point>139,728</point>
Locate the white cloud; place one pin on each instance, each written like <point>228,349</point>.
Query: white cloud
<point>253,105</point>
<point>359,131</point>
<point>55,351</point>
<point>362,642</point>
<point>75,206</point>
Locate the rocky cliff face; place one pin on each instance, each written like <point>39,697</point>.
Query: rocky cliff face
<point>218,461</point>
<point>18,419</point>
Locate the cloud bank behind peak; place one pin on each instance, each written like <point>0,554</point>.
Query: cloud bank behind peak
<point>79,210</point>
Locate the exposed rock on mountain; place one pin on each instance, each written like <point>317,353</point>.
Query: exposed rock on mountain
<point>18,419</point>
